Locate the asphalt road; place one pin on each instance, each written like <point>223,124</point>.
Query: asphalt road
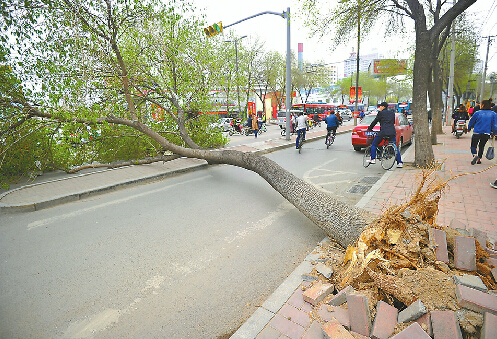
<point>191,256</point>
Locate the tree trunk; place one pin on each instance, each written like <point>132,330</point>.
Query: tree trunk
<point>339,220</point>
<point>424,151</point>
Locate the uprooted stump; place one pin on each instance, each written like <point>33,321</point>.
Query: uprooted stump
<point>394,259</point>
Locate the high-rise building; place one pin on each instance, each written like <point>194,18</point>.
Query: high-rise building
<point>350,64</point>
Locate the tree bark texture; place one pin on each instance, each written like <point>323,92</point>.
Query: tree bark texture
<point>340,221</point>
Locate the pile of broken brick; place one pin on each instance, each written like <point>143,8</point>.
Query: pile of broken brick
<point>347,314</point>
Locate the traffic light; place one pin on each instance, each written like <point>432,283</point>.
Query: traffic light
<point>214,29</point>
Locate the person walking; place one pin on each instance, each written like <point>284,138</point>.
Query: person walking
<point>484,123</point>
<point>386,118</point>
<point>255,125</point>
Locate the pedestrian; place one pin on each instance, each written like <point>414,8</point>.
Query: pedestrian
<point>255,125</point>
<point>484,122</point>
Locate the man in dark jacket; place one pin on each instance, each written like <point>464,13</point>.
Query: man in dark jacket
<point>386,118</point>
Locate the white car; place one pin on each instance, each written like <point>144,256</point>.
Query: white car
<point>346,114</point>
<point>282,117</point>
<point>224,124</point>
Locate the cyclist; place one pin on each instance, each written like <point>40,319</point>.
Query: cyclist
<point>386,118</point>
<point>331,125</point>
<point>301,127</point>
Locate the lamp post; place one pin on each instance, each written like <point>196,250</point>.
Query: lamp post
<point>236,68</point>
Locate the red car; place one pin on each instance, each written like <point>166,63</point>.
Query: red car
<point>402,127</point>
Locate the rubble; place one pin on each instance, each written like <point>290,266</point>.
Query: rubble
<point>410,274</point>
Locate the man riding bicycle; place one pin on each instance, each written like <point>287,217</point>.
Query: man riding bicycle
<point>301,128</point>
<point>331,125</point>
<point>386,118</point>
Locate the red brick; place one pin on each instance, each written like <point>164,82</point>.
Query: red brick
<point>341,296</point>
<point>287,327</point>
<point>425,322</point>
<point>360,320</point>
<point>414,331</point>
<point>340,314</point>
<point>489,329</point>
<point>317,292</point>
<point>440,239</point>
<point>334,330</point>
<point>358,336</point>
<point>296,299</point>
<point>464,253</point>
<point>314,331</point>
<point>476,300</point>
<point>385,321</point>
<point>295,315</point>
<point>445,325</point>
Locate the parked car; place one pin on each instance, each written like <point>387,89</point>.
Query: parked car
<point>282,117</point>
<point>346,114</point>
<point>224,124</point>
<point>403,130</point>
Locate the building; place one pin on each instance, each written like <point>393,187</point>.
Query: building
<point>350,64</point>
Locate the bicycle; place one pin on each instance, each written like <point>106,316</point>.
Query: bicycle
<point>385,153</point>
<point>330,139</point>
<point>301,140</point>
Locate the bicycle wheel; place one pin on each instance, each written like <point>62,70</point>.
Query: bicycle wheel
<point>388,156</point>
<point>367,156</point>
<point>328,142</point>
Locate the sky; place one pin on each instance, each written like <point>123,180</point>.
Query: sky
<point>272,29</point>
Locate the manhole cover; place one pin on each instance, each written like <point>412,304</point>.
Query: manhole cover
<point>359,189</point>
<point>370,180</point>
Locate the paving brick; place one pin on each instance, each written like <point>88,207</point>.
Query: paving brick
<point>314,331</point>
<point>360,319</point>
<point>472,281</point>
<point>297,298</point>
<point>287,327</point>
<point>317,292</point>
<point>334,330</point>
<point>440,239</point>
<point>464,253</point>
<point>341,296</point>
<point>385,321</point>
<point>358,336</point>
<point>455,224</point>
<point>492,261</point>
<point>326,312</point>
<point>476,300</point>
<point>489,329</point>
<point>326,271</point>
<point>269,333</point>
<point>480,236</point>
<point>445,325</point>
<point>425,322</point>
<point>414,331</point>
<point>412,312</point>
<point>295,315</point>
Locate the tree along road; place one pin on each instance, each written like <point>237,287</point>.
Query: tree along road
<point>191,256</point>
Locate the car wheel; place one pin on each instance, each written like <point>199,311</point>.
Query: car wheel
<point>357,148</point>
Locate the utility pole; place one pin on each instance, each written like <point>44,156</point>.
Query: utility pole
<point>450,104</point>
<point>236,70</point>
<point>485,69</point>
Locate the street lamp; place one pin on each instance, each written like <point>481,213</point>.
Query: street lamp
<point>236,68</point>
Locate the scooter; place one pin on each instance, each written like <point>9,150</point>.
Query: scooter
<point>460,128</point>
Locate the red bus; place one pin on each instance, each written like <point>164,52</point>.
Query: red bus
<point>319,108</point>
